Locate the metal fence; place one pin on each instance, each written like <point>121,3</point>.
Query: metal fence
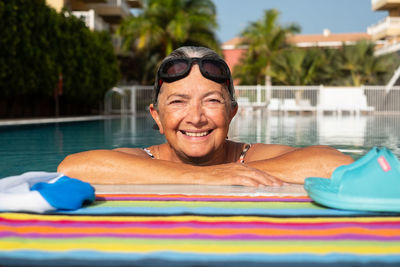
<point>319,100</point>
<point>128,99</point>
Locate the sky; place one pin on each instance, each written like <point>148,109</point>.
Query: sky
<point>313,16</point>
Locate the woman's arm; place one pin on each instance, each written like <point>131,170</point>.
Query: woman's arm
<point>133,166</point>
<point>293,165</point>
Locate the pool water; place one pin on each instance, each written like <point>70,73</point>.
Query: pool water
<point>354,135</point>
<point>41,147</point>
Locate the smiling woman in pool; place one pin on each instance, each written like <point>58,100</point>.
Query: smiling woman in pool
<point>193,106</point>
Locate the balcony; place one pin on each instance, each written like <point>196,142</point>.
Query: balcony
<point>389,26</point>
<point>91,20</point>
<point>113,11</point>
<point>387,49</point>
<point>384,4</point>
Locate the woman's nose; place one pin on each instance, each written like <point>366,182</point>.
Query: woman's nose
<point>196,113</point>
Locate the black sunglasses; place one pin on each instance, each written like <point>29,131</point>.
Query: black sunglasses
<point>175,69</point>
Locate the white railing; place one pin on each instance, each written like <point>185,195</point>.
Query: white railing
<point>319,100</point>
<point>387,49</point>
<point>91,20</point>
<point>134,99</point>
<point>383,25</point>
<point>116,101</point>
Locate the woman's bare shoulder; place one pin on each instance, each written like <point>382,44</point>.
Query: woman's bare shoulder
<point>261,151</point>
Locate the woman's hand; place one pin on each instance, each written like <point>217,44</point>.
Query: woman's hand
<point>235,174</point>
<point>115,167</point>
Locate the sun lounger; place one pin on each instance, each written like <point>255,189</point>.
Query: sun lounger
<point>343,99</point>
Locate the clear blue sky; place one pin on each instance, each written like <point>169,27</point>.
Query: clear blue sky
<point>312,16</point>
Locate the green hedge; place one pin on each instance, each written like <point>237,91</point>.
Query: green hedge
<point>36,44</point>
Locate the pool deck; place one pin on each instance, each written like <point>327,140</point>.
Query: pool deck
<point>27,121</point>
<point>214,190</point>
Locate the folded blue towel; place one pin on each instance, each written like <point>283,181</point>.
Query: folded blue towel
<point>43,191</point>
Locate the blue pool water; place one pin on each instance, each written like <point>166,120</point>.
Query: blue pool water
<point>41,147</point>
<point>44,146</point>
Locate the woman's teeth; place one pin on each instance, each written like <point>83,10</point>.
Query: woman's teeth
<point>195,134</point>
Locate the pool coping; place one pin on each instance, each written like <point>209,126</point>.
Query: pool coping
<point>24,121</point>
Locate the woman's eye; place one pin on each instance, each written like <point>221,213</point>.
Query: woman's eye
<point>214,100</point>
<point>176,101</point>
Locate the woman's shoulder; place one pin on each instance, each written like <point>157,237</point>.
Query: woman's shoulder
<point>260,151</point>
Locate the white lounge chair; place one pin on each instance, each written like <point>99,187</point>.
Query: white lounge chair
<point>343,99</point>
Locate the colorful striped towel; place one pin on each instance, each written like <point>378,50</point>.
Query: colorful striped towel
<point>193,230</point>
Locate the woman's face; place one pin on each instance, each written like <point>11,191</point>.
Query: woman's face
<point>194,114</point>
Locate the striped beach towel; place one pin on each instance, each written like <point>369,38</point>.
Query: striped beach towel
<point>200,230</point>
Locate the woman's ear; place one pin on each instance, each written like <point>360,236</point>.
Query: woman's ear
<point>234,110</point>
<point>156,117</point>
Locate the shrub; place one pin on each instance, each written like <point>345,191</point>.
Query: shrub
<point>36,45</point>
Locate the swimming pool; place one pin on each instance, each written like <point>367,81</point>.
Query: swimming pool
<point>40,147</point>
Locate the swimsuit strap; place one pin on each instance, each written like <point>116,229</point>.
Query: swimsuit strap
<point>241,158</point>
<point>148,152</point>
<point>243,154</point>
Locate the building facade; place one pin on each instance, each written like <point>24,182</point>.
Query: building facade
<point>98,14</point>
<point>387,31</point>
<point>233,50</point>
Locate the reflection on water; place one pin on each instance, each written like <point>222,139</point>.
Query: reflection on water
<point>131,131</point>
<point>354,135</point>
<point>42,147</point>
<point>274,129</point>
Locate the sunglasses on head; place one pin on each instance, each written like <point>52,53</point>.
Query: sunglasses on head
<point>175,69</point>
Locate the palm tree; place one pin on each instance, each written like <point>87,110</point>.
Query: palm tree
<point>296,66</point>
<point>352,60</point>
<point>358,65</point>
<point>165,25</point>
<point>328,70</point>
<point>265,39</point>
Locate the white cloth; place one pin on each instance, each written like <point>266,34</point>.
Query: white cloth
<point>16,194</point>
<point>43,191</point>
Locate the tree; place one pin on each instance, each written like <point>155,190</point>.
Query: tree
<point>358,65</point>
<point>165,25</point>
<point>265,40</point>
<point>296,66</point>
<point>38,44</point>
